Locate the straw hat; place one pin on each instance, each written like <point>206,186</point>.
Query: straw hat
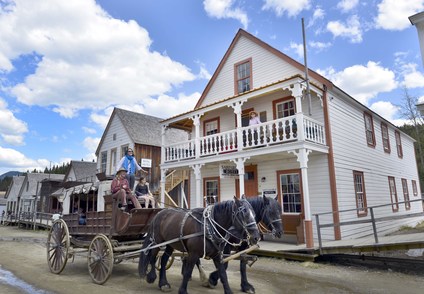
<point>250,113</point>
<point>121,170</point>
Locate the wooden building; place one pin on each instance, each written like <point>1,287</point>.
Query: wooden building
<point>317,153</point>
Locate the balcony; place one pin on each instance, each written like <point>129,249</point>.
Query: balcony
<point>289,129</point>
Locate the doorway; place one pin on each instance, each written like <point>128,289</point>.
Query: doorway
<point>250,182</point>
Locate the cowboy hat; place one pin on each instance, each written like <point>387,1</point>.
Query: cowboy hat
<point>121,170</point>
<point>250,113</point>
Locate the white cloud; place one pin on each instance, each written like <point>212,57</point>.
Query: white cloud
<point>225,9</point>
<point>203,73</point>
<point>10,159</point>
<point>88,60</point>
<point>393,14</point>
<point>347,5</point>
<point>411,77</point>
<point>292,8</point>
<point>91,144</point>
<point>12,129</point>
<point>320,45</point>
<point>363,82</point>
<point>350,30</point>
<point>297,48</point>
<point>88,130</point>
<point>318,14</point>
<point>386,109</point>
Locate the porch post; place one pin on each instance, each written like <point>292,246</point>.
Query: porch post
<point>302,158</point>
<point>296,90</point>
<point>240,167</point>
<point>162,170</point>
<point>237,111</point>
<point>162,186</point>
<point>196,122</point>
<point>198,176</point>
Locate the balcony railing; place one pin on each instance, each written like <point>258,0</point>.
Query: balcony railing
<point>265,134</point>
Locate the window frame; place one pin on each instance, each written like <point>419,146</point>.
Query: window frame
<point>211,179</point>
<point>393,194</point>
<point>248,77</point>
<point>414,188</point>
<point>287,99</point>
<point>103,161</point>
<point>113,161</point>
<point>361,211</point>
<point>398,144</point>
<point>406,194</point>
<point>385,141</point>
<point>280,193</point>
<point>371,131</point>
<point>209,121</point>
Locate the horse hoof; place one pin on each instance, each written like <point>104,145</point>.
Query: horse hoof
<point>249,291</point>
<point>212,286</point>
<point>166,288</point>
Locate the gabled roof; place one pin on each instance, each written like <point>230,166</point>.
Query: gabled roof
<point>143,129</point>
<point>13,191</point>
<point>83,170</point>
<point>33,181</point>
<point>286,58</point>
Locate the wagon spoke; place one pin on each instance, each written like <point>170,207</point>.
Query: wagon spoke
<point>57,246</point>
<point>100,259</point>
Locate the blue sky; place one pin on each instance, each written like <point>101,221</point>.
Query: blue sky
<point>64,65</point>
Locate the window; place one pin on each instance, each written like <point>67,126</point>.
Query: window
<point>398,144</point>
<point>385,136</point>
<point>284,107</point>
<point>211,190</point>
<point>393,194</point>
<point>103,161</point>
<point>211,127</point>
<point>113,160</point>
<point>290,190</point>
<point>114,137</point>
<point>369,129</point>
<point>414,188</point>
<point>361,200</point>
<point>243,76</point>
<point>406,194</point>
<point>124,149</point>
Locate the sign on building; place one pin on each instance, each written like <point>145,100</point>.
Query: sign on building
<point>145,162</point>
<point>272,193</point>
<point>227,171</point>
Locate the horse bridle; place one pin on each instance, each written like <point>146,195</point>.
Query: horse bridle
<point>242,223</point>
<point>271,223</point>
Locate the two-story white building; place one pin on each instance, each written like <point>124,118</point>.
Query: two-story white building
<point>317,153</point>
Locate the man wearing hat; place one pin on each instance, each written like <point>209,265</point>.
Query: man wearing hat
<point>121,190</point>
<point>129,163</point>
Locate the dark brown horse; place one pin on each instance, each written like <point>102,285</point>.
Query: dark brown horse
<point>198,232</point>
<point>268,212</point>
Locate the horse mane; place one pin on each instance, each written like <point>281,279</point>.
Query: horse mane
<point>258,206</point>
<point>223,207</point>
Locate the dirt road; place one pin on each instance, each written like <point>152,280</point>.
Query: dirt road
<point>23,253</point>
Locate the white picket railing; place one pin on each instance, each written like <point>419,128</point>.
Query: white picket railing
<point>265,134</point>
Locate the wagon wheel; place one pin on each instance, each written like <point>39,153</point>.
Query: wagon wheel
<point>168,264</point>
<point>58,246</point>
<point>100,259</point>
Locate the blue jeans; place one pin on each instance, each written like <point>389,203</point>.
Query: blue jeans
<point>131,180</point>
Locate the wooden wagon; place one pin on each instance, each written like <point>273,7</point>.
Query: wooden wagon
<point>107,238</point>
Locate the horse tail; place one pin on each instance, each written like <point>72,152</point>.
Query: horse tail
<point>145,256</point>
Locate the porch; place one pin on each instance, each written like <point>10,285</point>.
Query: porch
<point>296,128</point>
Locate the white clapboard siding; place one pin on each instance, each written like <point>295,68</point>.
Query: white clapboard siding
<point>351,152</point>
<point>266,69</point>
<point>122,138</point>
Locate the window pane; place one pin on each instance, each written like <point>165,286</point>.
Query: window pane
<point>290,191</point>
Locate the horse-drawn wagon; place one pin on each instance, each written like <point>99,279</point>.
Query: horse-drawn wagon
<point>104,237</point>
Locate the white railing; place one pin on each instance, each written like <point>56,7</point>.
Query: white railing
<point>218,143</point>
<point>179,151</point>
<point>264,134</point>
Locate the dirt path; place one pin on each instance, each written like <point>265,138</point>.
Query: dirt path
<point>23,253</point>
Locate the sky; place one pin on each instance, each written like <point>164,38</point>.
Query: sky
<point>64,65</point>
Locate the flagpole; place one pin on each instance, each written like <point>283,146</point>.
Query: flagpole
<point>308,91</point>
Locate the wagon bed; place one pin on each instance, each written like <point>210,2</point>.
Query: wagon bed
<point>106,238</point>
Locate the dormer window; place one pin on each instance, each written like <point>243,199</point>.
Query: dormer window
<point>243,76</point>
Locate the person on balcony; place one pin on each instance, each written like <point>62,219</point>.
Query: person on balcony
<point>121,190</point>
<point>254,118</point>
<point>143,193</point>
<point>129,163</point>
